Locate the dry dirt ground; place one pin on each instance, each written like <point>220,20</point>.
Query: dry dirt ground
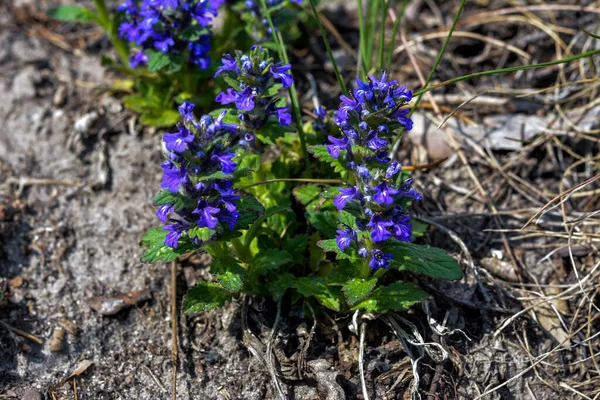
<point>77,178</point>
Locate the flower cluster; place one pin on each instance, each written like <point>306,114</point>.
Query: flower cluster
<point>380,195</point>
<point>198,175</point>
<point>176,27</point>
<point>255,83</point>
<point>253,14</point>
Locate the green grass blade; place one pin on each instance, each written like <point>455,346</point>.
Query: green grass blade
<point>381,57</point>
<point>435,65</point>
<point>328,47</point>
<point>509,69</point>
<point>394,33</point>
<point>293,93</point>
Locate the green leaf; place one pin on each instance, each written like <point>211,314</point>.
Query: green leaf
<point>178,200</point>
<point>272,130</point>
<point>315,287</point>
<point>357,289</point>
<point>215,175</point>
<point>252,231</point>
<point>330,245</point>
<point>228,271</point>
<point>205,296</point>
<point>204,234</point>
<point>418,229</point>
<point>250,210</point>
<point>139,103</point>
<point>397,296</point>
<point>324,221</point>
<point>280,284</point>
<point>425,260</point>
<point>160,119</point>
<point>309,196</point>
<point>154,239</point>
<point>296,246</point>
<point>348,219</point>
<point>72,13</point>
<point>320,152</point>
<point>269,260</point>
<point>157,60</point>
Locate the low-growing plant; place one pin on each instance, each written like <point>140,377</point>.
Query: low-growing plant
<point>233,187</point>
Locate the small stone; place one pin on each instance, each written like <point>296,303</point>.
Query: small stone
<point>29,50</point>
<point>60,96</point>
<point>24,83</point>
<point>29,394</point>
<point>57,340</point>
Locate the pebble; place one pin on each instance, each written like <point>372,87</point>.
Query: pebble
<point>60,96</point>
<point>24,83</point>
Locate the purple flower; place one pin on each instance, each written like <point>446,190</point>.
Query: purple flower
<point>379,227</point>
<point>206,215</point>
<point>228,217</point>
<point>174,176</point>
<point>344,238</point>
<point>402,228</point>
<point>363,90</point>
<point>227,97</point>
<point>346,195</point>
<point>283,115</point>
<point>245,99</point>
<point>186,109</point>
<point>281,72</point>
<point>138,58</point>
<point>224,159</point>
<point>384,193</point>
<point>348,103</point>
<point>175,230</point>
<point>229,64</point>
<point>178,141</point>
<point>337,145</point>
<point>164,211</point>
<point>374,142</point>
<point>393,169</point>
<point>228,199</point>
<point>380,260</point>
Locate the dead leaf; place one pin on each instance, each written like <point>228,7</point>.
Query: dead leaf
<point>112,305</point>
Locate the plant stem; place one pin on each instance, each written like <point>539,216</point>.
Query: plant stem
<point>293,94</point>
<point>174,347</point>
<point>110,27</point>
<point>361,36</point>
<point>328,47</point>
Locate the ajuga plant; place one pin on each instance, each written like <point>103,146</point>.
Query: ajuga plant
<point>164,49</point>
<point>233,187</point>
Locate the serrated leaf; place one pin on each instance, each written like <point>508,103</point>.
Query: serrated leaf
<point>205,296</point>
<point>252,231</point>
<point>280,284</point>
<point>250,210</point>
<point>72,13</point>
<point>269,260</point>
<point>324,221</point>
<point>418,229</point>
<point>177,199</point>
<point>157,60</point>
<point>425,260</point>
<point>228,272</point>
<point>315,287</point>
<point>309,196</point>
<point>347,219</point>
<point>320,152</point>
<point>204,234</point>
<point>397,296</point>
<point>357,289</point>
<point>296,246</point>
<point>154,239</point>
<point>330,245</point>
<point>215,175</point>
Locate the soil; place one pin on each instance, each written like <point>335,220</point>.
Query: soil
<point>77,179</point>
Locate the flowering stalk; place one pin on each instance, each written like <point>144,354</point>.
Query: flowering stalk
<point>379,195</point>
<point>255,82</point>
<point>198,199</point>
<point>177,28</point>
